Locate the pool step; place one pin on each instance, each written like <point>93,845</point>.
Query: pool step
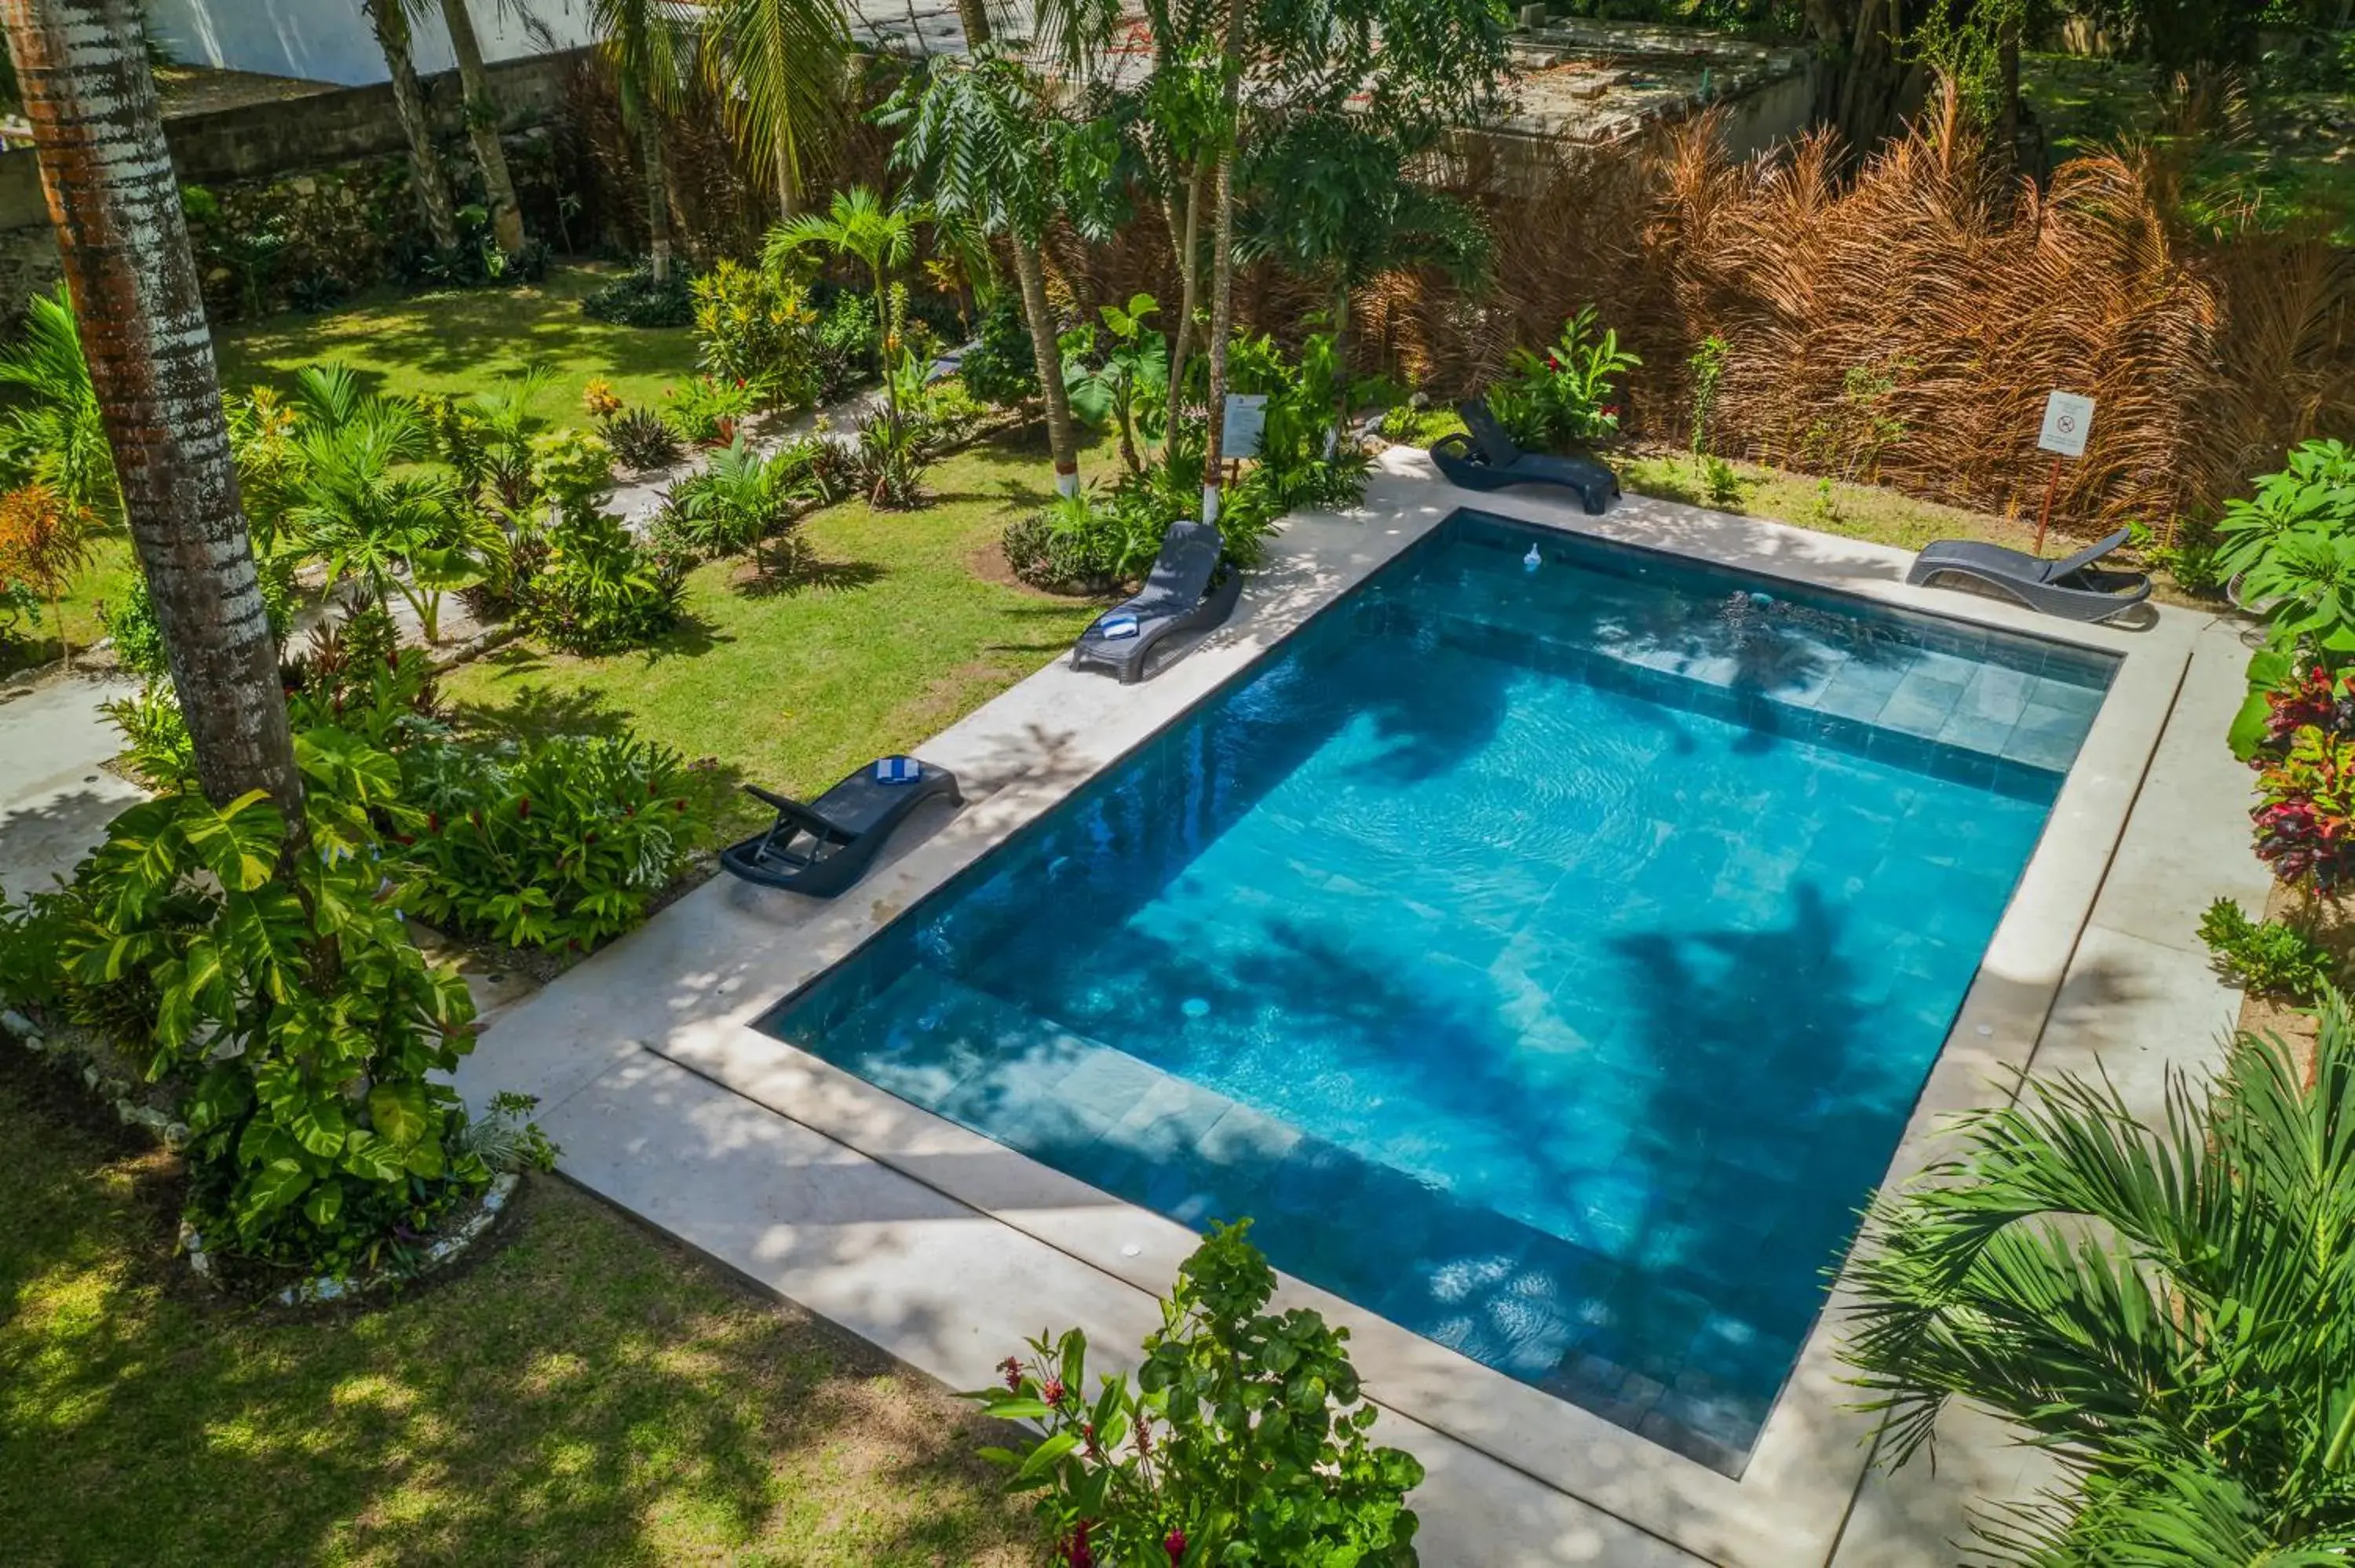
<point>1648,1351</point>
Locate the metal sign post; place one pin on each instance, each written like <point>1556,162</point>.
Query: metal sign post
<point>2068,419</point>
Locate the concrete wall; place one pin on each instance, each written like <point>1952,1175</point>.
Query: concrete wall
<point>257,140</point>
<point>329,40</point>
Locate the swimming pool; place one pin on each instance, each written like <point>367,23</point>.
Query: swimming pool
<point>1546,957</point>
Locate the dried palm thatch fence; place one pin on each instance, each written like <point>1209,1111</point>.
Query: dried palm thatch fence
<point>1905,324</point>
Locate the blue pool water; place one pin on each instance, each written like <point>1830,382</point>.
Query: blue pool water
<point>1548,962</point>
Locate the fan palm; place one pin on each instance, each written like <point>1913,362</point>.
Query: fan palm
<point>778,64</point>
<point>881,239</point>
<point>364,508</point>
<point>646,43</point>
<point>52,432</point>
<point>973,131</point>
<point>2171,1310</point>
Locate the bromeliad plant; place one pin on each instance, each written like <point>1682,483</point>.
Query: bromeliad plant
<point>556,843</point>
<point>1243,1439</point>
<point>2165,1310</point>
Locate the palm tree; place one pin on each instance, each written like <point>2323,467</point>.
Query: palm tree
<point>361,505</point>
<point>882,239</point>
<point>482,111</point>
<point>778,64</point>
<point>643,43</point>
<point>390,20</point>
<point>1232,49</point>
<point>2170,1311</point>
<point>972,133</point>
<point>81,66</point>
<point>53,432</point>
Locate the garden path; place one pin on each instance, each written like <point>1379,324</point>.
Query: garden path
<point>55,794</point>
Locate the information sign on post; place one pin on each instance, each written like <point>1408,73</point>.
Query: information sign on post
<point>2068,420</point>
<point>1246,421</point>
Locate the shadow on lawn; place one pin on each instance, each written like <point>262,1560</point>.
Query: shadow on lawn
<point>587,1393</point>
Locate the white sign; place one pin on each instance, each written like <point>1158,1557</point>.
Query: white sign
<point>1245,422</point>
<point>2068,416</point>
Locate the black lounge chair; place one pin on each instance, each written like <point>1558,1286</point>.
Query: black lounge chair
<point>1486,459</point>
<point>2074,588</point>
<point>825,847</point>
<point>1179,596</point>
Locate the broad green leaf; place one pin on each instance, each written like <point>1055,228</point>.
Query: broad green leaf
<point>239,842</point>
<point>325,1205</point>
<point>273,1187</point>
<point>399,1112</point>
<point>1043,1457</point>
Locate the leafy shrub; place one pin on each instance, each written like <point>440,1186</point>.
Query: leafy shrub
<point>1721,484</point>
<point>598,589</point>
<point>755,327</point>
<point>555,843</point>
<point>843,346</point>
<point>641,438</point>
<point>635,300</point>
<point>1566,396</point>
<point>891,456</point>
<point>1417,423</point>
<point>1242,1439</point>
<point>157,750</point>
<point>138,639</point>
<point>317,1037</point>
<point>2305,813</point>
<point>2194,565</point>
<point>2313,495</point>
<point>743,501</point>
<point>1001,368</point>
<point>2266,956</point>
<point>1706,367</point>
<point>705,411</point>
<point>353,676</point>
<point>572,468</point>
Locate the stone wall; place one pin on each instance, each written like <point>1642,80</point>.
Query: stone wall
<point>262,140</point>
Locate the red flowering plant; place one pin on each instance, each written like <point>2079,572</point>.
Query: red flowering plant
<point>2304,759</point>
<point>1242,1439</point>
<point>1566,396</point>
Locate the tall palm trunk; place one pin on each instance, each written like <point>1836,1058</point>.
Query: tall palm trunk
<point>390,24</point>
<point>1189,273</point>
<point>1030,277</point>
<point>650,148</point>
<point>1223,260</point>
<point>98,135</point>
<point>483,127</point>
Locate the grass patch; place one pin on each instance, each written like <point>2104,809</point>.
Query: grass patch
<point>904,628</point>
<point>589,1394</point>
<point>35,640</point>
<point>1829,506</point>
<point>461,340</point>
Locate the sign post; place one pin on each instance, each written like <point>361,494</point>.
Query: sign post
<point>2068,419</point>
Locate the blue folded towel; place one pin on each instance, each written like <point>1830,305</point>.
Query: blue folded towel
<point>1113,626</point>
<point>898,770</point>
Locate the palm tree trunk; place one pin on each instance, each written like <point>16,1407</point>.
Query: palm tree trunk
<point>1030,277</point>
<point>788,199</point>
<point>483,127</point>
<point>1189,273</point>
<point>1223,260</point>
<point>82,70</point>
<point>1340,366</point>
<point>658,196</point>
<point>391,26</point>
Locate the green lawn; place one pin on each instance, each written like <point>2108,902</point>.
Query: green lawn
<point>34,640</point>
<point>586,1394</point>
<point>903,632</point>
<point>1857,511</point>
<point>460,340</point>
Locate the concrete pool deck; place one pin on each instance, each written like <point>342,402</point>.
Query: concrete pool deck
<point>947,1249</point>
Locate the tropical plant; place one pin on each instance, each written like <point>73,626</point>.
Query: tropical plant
<point>2305,815</point>
<point>1721,482</point>
<point>45,543</point>
<point>2162,1309</point>
<point>597,588</point>
<point>51,433</point>
<point>1002,366</point>
<point>1242,1439</point>
<point>1129,378</point>
<point>155,748</point>
<point>704,409</point>
<point>389,21</point>
<point>365,508</point>
<point>646,44</point>
<point>261,428</point>
<point>777,66</point>
<point>1706,366</point>
<point>558,842</point>
<point>976,130</point>
<point>1567,394</point>
<point>744,501</point>
<point>855,225</point>
<point>641,438</point>
<point>754,327</point>
<point>98,135</point>
<point>2269,956</point>
<point>639,299</point>
<point>486,436</point>
<point>2313,491</point>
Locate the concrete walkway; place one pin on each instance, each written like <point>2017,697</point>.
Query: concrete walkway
<point>55,797</point>
<point>944,1248</point>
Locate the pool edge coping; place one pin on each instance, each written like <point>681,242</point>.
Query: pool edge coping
<point>1811,1456</point>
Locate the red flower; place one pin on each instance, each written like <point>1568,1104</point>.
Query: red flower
<point>1088,1440</point>
<point>1053,1392</point>
<point>1013,1371</point>
<point>1144,1439</point>
<point>1077,1552</point>
<point>433,821</point>
<point>1174,1543</point>
<point>523,806</point>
